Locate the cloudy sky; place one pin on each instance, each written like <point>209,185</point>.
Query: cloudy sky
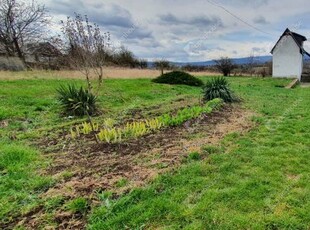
<point>192,30</point>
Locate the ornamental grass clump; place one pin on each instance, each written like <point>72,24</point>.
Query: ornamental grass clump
<point>77,101</point>
<point>219,88</point>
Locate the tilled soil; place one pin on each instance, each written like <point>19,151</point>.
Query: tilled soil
<point>94,168</point>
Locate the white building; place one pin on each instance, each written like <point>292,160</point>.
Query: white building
<point>288,55</point>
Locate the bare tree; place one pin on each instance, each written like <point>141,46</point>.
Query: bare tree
<point>251,65</point>
<point>125,58</point>
<point>225,65</point>
<point>20,24</point>
<point>87,47</point>
<point>162,65</point>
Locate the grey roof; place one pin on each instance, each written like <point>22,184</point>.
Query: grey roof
<point>299,39</point>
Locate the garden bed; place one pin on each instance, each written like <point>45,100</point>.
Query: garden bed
<point>88,169</point>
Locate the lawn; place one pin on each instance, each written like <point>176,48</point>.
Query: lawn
<point>259,181</point>
<point>259,176</point>
<point>29,111</point>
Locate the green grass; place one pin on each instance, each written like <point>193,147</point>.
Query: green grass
<point>29,111</point>
<point>20,186</point>
<point>78,205</point>
<point>263,177</point>
<point>27,104</point>
<point>262,182</point>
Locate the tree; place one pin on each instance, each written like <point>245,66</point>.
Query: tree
<point>125,58</point>
<point>86,47</point>
<point>162,65</point>
<point>251,65</point>
<point>20,24</point>
<point>142,63</point>
<point>225,65</point>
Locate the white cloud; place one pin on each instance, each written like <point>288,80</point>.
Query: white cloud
<point>166,28</point>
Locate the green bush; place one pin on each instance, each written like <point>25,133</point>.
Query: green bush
<point>178,78</point>
<point>77,101</point>
<point>218,88</point>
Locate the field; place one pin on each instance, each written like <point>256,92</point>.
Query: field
<point>109,73</point>
<point>243,166</point>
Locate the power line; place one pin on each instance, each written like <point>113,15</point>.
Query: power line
<point>237,17</point>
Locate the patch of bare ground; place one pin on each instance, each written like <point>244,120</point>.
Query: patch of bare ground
<point>95,168</point>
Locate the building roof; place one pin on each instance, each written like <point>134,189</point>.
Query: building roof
<point>299,39</point>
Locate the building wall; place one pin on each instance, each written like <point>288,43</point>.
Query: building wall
<point>287,59</point>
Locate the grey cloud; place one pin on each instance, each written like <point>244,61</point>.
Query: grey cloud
<point>253,4</point>
<point>102,14</point>
<point>111,17</point>
<point>260,20</point>
<point>192,21</point>
<point>259,50</point>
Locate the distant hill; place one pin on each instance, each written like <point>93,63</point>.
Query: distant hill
<point>238,61</point>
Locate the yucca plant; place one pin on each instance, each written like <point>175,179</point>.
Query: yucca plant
<point>218,88</point>
<point>76,101</point>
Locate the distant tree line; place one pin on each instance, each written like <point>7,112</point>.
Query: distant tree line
<point>23,33</point>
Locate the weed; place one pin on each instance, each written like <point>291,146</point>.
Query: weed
<point>194,156</point>
<point>209,149</point>
<point>53,203</point>
<point>78,205</point>
<point>122,183</point>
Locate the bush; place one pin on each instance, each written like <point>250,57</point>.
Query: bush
<point>225,65</point>
<point>11,64</point>
<point>178,78</point>
<point>77,101</point>
<point>218,88</point>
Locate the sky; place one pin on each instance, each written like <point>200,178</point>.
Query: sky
<point>191,30</point>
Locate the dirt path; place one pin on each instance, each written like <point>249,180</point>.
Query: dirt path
<point>96,168</point>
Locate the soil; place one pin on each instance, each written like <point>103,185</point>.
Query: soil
<point>85,168</point>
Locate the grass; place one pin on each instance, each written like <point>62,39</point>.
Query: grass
<point>29,111</point>
<point>262,176</point>
<point>20,186</point>
<point>261,182</point>
<point>35,104</point>
<point>78,205</point>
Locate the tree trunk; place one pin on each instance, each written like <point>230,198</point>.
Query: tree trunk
<point>18,50</point>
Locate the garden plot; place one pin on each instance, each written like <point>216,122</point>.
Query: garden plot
<point>89,169</point>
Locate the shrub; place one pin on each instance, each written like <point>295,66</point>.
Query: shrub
<point>225,65</point>
<point>12,64</point>
<point>77,101</point>
<point>218,88</point>
<point>178,78</point>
